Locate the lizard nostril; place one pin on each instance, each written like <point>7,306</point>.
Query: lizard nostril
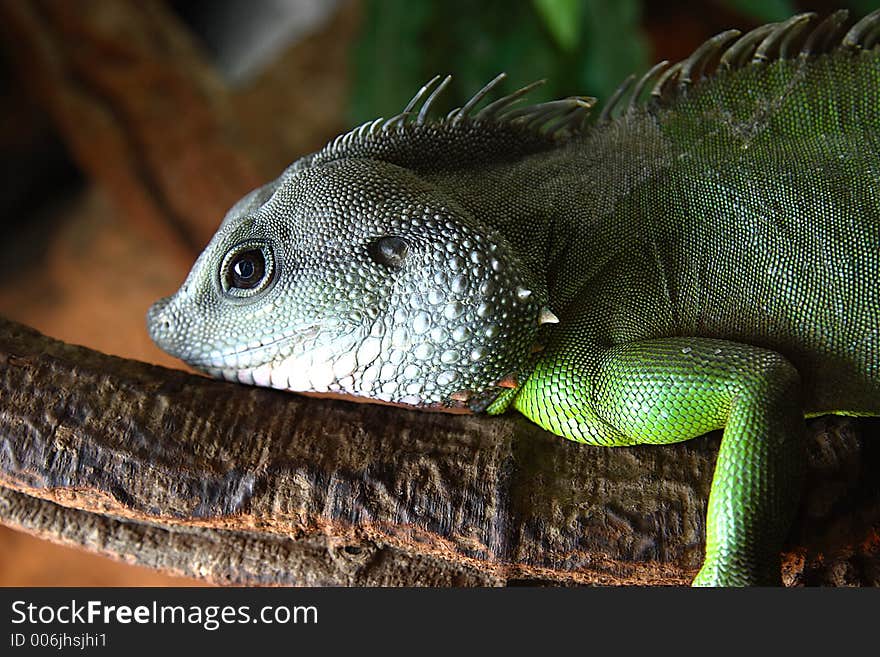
<point>158,320</point>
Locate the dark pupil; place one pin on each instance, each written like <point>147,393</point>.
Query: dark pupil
<point>390,250</point>
<point>247,270</point>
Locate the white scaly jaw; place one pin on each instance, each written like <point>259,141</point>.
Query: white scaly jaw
<point>347,368</point>
<point>386,365</point>
<point>325,368</point>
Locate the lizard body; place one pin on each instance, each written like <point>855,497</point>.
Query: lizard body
<point>702,260</point>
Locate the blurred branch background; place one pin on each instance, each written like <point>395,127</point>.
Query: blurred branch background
<point>128,127</point>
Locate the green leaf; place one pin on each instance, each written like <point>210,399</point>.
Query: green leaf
<point>403,44</point>
<point>768,11</point>
<point>562,18</point>
<point>615,46</point>
<point>388,58</point>
<point>501,37</point>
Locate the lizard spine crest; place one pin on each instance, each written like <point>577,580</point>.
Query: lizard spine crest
<point>799,36</point>
<point>471,135</point>
<point>467,134</point>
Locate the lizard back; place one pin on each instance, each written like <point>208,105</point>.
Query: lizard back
<point>758,221</point>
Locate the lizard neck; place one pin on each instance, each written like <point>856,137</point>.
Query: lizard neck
<point>557,208</point>
<point>522,201</point>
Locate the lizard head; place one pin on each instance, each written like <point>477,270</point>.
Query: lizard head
<point>355,277</point>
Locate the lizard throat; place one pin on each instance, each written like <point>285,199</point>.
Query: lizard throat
<point>358,371</point>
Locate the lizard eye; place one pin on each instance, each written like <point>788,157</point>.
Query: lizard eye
<point>247,269</point>
<point>390,251</point>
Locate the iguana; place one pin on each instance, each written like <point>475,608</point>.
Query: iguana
<point>702,255</point>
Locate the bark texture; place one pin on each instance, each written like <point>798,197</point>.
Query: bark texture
<point>248,485</point>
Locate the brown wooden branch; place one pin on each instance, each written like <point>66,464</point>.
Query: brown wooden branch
<point>248,485</point>
<point>235,557</point>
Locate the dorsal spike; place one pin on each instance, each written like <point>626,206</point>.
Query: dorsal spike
<point>376,126</point>
<point>426,108</point>
<point>647,79</point>
<point>864,33</point>
<point>772,47</point>
<point>789,46</point>
<point>825,34</point>
<point>563,113</point>
<point>742,50</point>
<point>477,97</point>
<point>420,94</point>
<point>397,120</point>
<point>612,103</point>
<point>532,111</point>
<point>571,122</point>
<point>493,108</point>
<point>692,68</point>
<point>665,80</point>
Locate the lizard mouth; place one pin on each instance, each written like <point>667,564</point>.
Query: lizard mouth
<point>254,354</point>
<point>355,366</point>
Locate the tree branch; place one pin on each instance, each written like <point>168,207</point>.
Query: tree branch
<point>249,485</point>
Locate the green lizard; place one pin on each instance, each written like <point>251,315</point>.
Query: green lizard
<point>704,255</point>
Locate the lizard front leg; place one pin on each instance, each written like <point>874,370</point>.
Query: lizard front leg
<point>673,389</point>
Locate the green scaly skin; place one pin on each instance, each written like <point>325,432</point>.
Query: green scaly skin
<point>745,375</point>
<point>711,256</point>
